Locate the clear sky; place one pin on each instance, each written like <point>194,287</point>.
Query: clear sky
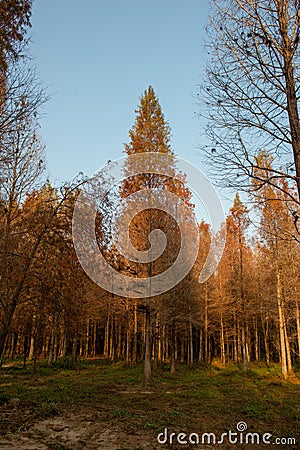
<point>97,57</point>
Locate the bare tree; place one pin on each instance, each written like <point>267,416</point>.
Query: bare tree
<point>251,92</point>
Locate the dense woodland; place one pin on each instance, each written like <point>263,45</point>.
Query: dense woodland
<point>248,310</point>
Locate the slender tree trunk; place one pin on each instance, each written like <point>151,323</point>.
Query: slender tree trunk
<point>235,340</point>
<point>245,349</point>
<point>163,343</point>
<point>74,349</point>
<point>158,332</point>
<point>147,362</point>
<point>127,357</point>
<point>200,355</point>
<point>34,354</point>
<point>222,342</point>
<point>256,343</point>
<point>52,344</point>
<point>172,347</point>
<point>284,369</point>
<point>135,333</point>
<point>111,340</point>
<point>298,327</point>
<point>155,344</point>
<point>13,345</point>
<point>119,348</point>
<point>95,325</point>
<point>191,350</point>
<point>206,325</point>
<point>64,345</point>
<point>265,328</point>
<point>106,336</point>
<point>87,339</point>
<point>31,347</point>
<point>25,349</point>
<point>288,351</point>
<point>182,355</point>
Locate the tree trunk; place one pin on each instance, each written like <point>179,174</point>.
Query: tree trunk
<point>135,334</point>
<point>127,357</point>
<point>235,340</point>
<point>95,338</point>
<point>74,349</point>
<point>256,343</point>
<point>191,350</point>
<point>106,336</point>
<point>147,362</point>
<point>222,341</point>
<point>172,347</point>
<point>111,340</point>
<point>200,355</point>
<point>291,96</point>
<point>283,356</point>
<point>52,345</point>
<point>14,338</point>
<point>298,327</point>
<point>87,339</point>
<point>245,349</point>
<point>288,351</point>
<point>206,325</point>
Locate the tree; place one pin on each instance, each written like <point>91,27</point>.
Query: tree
<point>252,92</point>
<point>21,154</point>
<point>20,90</point>
<point>276,233</point>
<point>237,223</point>
<point>151,134</point>
<point>14,22</point>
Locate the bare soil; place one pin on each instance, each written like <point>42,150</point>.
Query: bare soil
<point>77,431</point>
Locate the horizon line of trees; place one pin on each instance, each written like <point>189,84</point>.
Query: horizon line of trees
<point>247,311</point>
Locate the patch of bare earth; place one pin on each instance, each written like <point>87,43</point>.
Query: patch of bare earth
<point>77,431</point>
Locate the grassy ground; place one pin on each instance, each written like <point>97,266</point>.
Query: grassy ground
<point>200,399</point>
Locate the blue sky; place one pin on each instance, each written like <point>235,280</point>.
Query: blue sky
<point>97,57</point>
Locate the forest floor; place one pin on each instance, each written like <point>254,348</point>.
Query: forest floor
<point>97,405</point>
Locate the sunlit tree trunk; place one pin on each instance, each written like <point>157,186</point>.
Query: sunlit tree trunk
<point>206,357</point>
<point>222,341</point>
<point>298,327</point>
<point>135,333</point>
<point>283,355</point>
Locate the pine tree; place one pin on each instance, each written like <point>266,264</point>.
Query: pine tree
<point>151,134</point>
<point>237,223</point>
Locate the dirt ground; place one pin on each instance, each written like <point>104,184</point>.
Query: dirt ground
<point>77,431</point>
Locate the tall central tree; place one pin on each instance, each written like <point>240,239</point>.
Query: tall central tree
<point>151,134</point>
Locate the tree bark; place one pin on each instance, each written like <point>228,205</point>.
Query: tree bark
<point>291,96</point>
<point>284,369</point>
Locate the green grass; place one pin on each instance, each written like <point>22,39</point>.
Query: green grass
<point>199,399</point>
